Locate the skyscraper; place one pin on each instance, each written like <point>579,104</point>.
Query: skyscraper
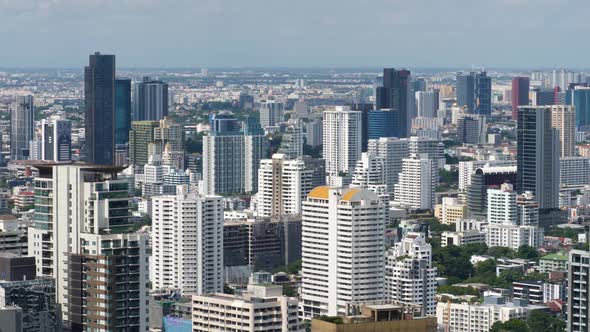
<point>383,123</point>
<point>538,155</point>
<point>472,129</point>
<point>474,92</point>
<point>22,117</point>
<point>187,243</point>
<point>55,141</point>
<point>396,93</point>
<point>563,118</point>
<point>578,307</point>
<point>99,100</point>
<point>580,98</point>
<point>334,272</point>
<point>150,100</point>
<point>520,94</point>
<point>391,151</point>
<point>417,182</point>
<point>342,141</point>
<point>122,110</point>
<point>425,104</point>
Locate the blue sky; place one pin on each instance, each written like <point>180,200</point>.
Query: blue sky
<point>318,33</point>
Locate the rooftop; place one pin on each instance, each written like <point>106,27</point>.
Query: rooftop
<point>555,257</point>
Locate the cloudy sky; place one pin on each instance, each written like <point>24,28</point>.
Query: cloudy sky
<point>318,33</point>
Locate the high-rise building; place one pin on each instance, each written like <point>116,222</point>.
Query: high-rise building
<point>574,172</point>
<point>364,108</point>
<point>391,151</point>
<point>542,97</point>
<point>578,307</point>
<point>481,180</point>
<point>474,92</point>
<point>417,182</point>
<point>313,133</point>
<point>410,277</point>
<point>283,184</point>
<point>334,272</point>
<point>292,142</point>
<point>425,104</point>
<point>396,93</point>
<point>54,142</point>
<point>231,158</point>
<point>122,110</point>
<point>99,100</point>
<point>140,136</point>
<point>83,238</point>
<point>563,118</point>
<point>187,243</point>
<point>155,136</point>
<point>433,149</point>
<point>342,141</point>
<point>22,119</point>
<point>580,98</point>
<point>502,205</point>
<point>150,100</point>
<point>472,129</point>
<point>520,94</point>
<point>383,123</point>
<point>369,173</point>
<point>271,113</point>
<point>538,155</point>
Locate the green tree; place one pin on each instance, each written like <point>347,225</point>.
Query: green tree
<point>540,321</point>
<point>527,252</point>
<point>498,252</point>
<point>513,325</point>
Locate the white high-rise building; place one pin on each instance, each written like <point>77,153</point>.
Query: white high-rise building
<point>342,131</point>
<point>467,168</point>
<point>578,307</point>
<point>313,133</point>
<point>342,250</point>
<point>53,142</point>
<point>271,113</point>
<point>433,148</point>
<point>187,243</point>
<point>292,142</point>
<point>417,182</point>
<point>369,173</point>
<point>83,238</point>
<point>409,275</point>
<point>425,104</point>
<point>502,205</point>
<point>283,185</point>
<point>391,151</point>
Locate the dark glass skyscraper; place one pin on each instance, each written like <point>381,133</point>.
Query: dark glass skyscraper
<point>396,93</point>
<point>520,94</point>
<point>122,110</point>
<point>22,120</point>
<point>580,98</point>
<point>150,100</point>
<point>383,123</point>
<point>99,97</point>
<point>365,108</point>
<point>474,91</point>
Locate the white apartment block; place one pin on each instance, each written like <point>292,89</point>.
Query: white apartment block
<point>433,148</point>
<point>260,308</point>
<point>187,242</point>
<point>392,151</point>
<point>342,133</point>
<point>283,185</point>
<point>578,304</point>
<point>464,317</point>
<point>417,182</point>
<point>409,275</point>
<point>513,236</point>
<point>369,173</point>
<point>502,205</point>
<point>574,172</point>
<point>342,250</point>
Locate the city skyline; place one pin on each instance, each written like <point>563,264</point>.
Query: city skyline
<point>280,34</point>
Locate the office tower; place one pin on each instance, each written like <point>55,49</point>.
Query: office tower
<point>391,151</point>
<point>342,141</point>
<point>383,123</point>
<point>542,97</point>
<point>140,135</point>
<point>410,277</point>
<point>187,243</point>
<point>99,100</point>
<point>480,317</point>
<point>122,110</point>
<point>580,98</point>
<point>169,133</point>
<point>474,92</point>
<point>472,129</point>
<point>364,108</point>
<point>419,84</point>
<point>313,133</point>
<point>84,236</point>
<point>574,172</point>
<point>334,272</point>
<point>578,307</point>
<point>283,184</point>
<point>563,118</point>
<point>481,180</point>
<point>396,93</point>
<point>259,303</point>
<point>520,94</point>
<point>22,119</point>
<point>538,155</point>
<point>425,104</point>
<point>271,113</point>
<point>246,102</point>
<point>292,142</point>
<point>150,100</point>
<point>224,121</point>
<point>54,142</point>
<point>417,182</point>
<point>369,173</point>
<point>231,157</point>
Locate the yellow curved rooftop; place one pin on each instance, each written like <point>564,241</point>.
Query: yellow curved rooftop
<point>320,192</point>
<point>348,194</point>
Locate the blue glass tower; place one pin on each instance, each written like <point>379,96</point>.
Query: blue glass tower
<point>122,110</point>
<point>384,123</point>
